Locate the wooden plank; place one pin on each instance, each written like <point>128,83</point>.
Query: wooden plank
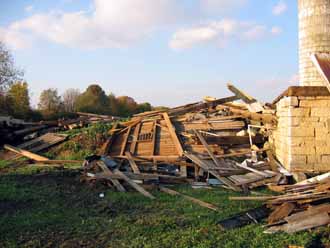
<point>307,221</point>
<point>316,179</point>
<point>281,212</point>
<point>242,95</point>
<point>189,198</point>
<point>108,172</point>
<point>135,138</point>
<point>173,134</point>
<point>183,171</point>
<point>202,140</point>
<point>133,184</point>
<point>154,135</point>
<point>61,161</point>
<point>204,166</point>
<point>253,170</point>
<point>26,153</point>
<point>271,158</point>
<point>123,145</point>
<point>303,91</point>
<point>132,163</point>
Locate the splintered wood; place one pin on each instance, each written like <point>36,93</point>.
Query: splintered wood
<point>304,205</point>
<point>200,139</point>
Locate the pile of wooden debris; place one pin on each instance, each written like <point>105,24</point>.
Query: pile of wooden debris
<point>216,138</point>
<point>300,206</point>
<point>14,130</point>
<point>214,142</point>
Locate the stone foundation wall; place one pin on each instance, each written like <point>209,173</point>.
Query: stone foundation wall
<point>302,138</point>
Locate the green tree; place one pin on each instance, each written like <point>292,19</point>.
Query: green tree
<point>93,100</point>
<point>113,104</point>
<point>18,100</point>
<point>70,97</point>
<point>50,102</point>
<point>126,106</point>
<point>143,107</point>
<point>3,104</point>
<point>8,72</point>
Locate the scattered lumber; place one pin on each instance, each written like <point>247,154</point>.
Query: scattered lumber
<point>38,158</point>
<point>26,153</point>
<point>189,198</point>
<point>301,206</point>
<point>205,136</point>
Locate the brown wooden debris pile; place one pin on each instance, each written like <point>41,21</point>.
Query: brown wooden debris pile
<point>216,138</point>
<point>13,130</point>
<point>304,205</point>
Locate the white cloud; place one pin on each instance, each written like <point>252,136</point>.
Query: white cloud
<point>187,38</point>
<point>112,23</point>
<point>276,30</point>
<point>218,32</point>
<point>221,5</point>
<point>28,8</point>
<point>280,8</point>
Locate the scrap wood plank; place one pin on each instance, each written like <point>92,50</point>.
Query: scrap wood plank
<point>135,137</point>
<point>133,184</point>
<point>132,163</point>
<point>253,104</point>
<point>192,199</point>
<point>281,212</point>
<point>271,158</point>
<point>306,221</point>
<point>41,143</point>
<point>310,212</point>
<point>303,91</point>
<point>316,179</point>
<point>39,158</point>
<point>107,144</point>
<point>132,176</point>
<point>242,95</point>
<point>25,153</point>
<point>205,167</point>
<point>154,135</point>
<point>61,161</point>
<point>253,170</point>
<point>123,145</point>
<point>206,146</point>
<point>107,171</point>
<point>173,134</point>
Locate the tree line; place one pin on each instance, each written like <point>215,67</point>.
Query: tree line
<point>15,99</point>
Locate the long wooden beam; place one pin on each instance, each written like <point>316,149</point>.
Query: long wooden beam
<point>132,163</point>
<point>189,198</point>
<point>133,184</point>
<point>173,134</point>
<point>26,153</point>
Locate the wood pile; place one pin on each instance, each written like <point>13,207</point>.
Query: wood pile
<point>16,130</point>
<point>217,138</point>
<point>302,206</point>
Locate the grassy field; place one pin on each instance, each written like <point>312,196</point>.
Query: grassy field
<point>52,208</point>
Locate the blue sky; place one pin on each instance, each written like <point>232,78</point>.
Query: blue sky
<point>166,52</point>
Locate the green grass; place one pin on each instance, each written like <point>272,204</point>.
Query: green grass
<point>52,208</point>
<point>48,207</point>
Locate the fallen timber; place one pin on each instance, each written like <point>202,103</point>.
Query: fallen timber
<point>199,139</point>
<point>196,143</point>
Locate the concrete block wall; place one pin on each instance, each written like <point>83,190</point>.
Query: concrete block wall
<point>302,137</point>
